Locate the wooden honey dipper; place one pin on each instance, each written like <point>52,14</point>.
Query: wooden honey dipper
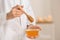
<point>31,19</point>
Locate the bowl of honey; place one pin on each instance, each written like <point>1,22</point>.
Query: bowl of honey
<point>32,33</point>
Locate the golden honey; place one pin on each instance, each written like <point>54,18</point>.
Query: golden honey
<point>32,32</point>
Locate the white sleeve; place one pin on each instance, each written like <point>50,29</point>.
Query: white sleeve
<point>2,25</point>
<point>2,19</point>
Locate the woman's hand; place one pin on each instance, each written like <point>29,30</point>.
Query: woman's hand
<point>15,12</point>
<point>33,27</point>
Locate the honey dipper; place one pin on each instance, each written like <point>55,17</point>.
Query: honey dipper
<point>28,16</point>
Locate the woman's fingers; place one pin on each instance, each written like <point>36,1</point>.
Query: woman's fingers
<point>32,37</point>
<point>34,27</point>
<point>17,10</point>
<point>22,6</point>
<point>37,27</point>
<point>18,7</point>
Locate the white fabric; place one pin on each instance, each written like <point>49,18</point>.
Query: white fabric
<point>15,28</point>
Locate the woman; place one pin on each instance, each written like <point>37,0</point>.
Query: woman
<point>16,23</point>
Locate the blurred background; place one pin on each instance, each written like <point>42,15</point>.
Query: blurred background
<point>43,8</point>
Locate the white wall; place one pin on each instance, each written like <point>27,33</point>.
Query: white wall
<point>56,15</point>
<point>43,8</point>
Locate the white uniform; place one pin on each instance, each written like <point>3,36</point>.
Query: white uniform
<point>14,29</point>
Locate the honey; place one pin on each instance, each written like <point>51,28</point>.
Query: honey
<point>32,32</point>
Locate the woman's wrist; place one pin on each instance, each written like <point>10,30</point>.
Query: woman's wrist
<point>9,16</point>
